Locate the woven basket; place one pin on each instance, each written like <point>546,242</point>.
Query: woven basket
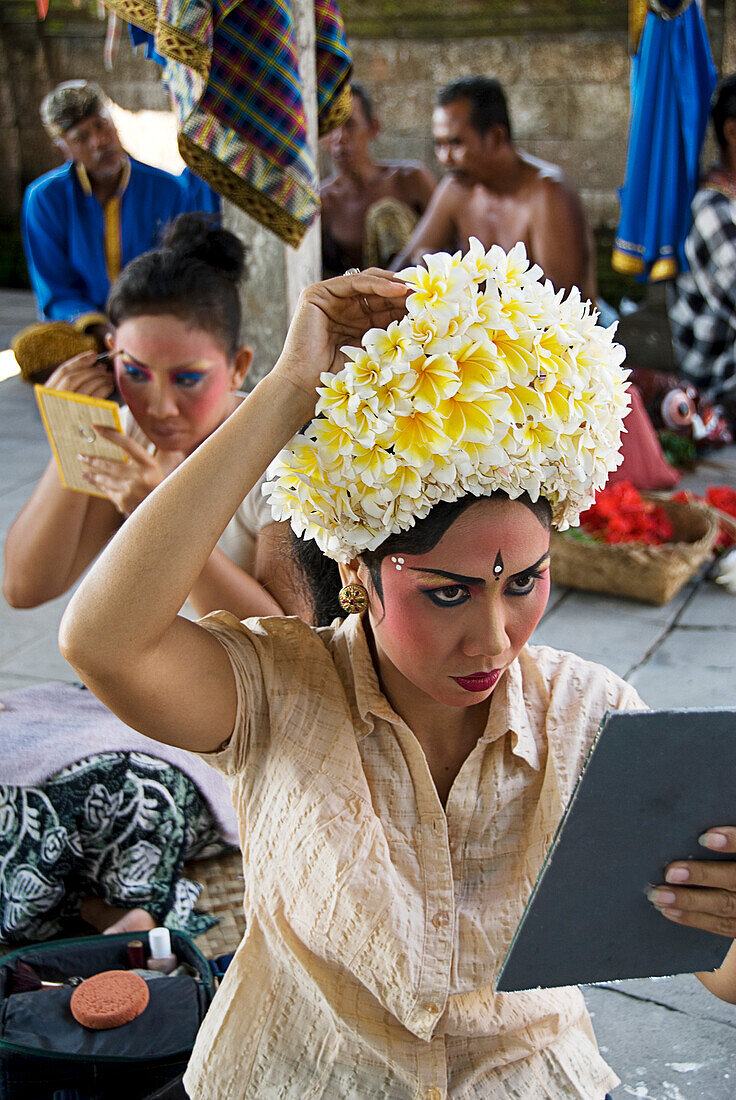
<point>653,574</point>
<point>222,897</point>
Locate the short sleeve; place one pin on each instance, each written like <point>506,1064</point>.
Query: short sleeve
<point>628,698</point>
<point>249,650</point>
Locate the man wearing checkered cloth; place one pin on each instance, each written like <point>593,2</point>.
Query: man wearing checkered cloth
<point>702,306</point>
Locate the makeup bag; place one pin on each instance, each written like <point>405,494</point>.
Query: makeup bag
<point>45,1053</point>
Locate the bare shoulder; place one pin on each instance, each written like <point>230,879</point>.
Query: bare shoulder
<point>548,185</point>
<point>331,188</point>
<point>451,195</point>
<point>409,170</point>
<point>413,183</point>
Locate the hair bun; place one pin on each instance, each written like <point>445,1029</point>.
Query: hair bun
<point>201,237</point>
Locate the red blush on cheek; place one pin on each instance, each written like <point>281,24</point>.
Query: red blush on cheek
<point>407,617</point>
<point>204,402</point>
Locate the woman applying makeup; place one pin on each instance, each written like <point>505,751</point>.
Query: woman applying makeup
<point>398,776</point>
<point>178,365</point>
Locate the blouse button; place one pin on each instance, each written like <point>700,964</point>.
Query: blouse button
<point>441,918</point>
<point>431,1010</point>
<point>433,1094</point>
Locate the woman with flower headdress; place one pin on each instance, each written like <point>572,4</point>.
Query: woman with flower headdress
<point>398,775</point>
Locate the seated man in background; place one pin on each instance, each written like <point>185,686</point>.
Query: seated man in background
<point>83,222</point>
<point>369,209</point>
<point>498,193</point>
<point>702,301</point>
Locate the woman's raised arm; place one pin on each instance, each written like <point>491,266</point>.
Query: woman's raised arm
<point>160,673</point>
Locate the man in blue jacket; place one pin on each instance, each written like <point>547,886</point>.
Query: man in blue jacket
<point>83,222</point>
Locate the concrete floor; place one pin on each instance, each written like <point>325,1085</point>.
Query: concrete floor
<point>666,1038</point>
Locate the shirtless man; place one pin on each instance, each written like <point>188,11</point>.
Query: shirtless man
<point>361,183</point>
<point>499,193</point>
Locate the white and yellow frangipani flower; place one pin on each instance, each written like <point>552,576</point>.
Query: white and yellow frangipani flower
<point>438,379</point>
<point>518,356</point>
<point>335,397</point>
<point>525,404</point>
<point>556,361</point>
<point>368,371</point>
<point>477,262</point>
<point>480,421</point>
<point>492,381</point>
<point>405,486</point>
<point>441,279</point>
<point>482,371</point>
<point>373,465</point>
<point>391,344</point>
<point>489,316</point>
<point>419,436</point>
<point>512,269</point>
<point>332,440</point>
<point>537,439</point>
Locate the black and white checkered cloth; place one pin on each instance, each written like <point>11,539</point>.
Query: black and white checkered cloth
<point>702,303</point>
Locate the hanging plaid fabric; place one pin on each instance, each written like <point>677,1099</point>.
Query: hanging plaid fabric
<point>232,70</point>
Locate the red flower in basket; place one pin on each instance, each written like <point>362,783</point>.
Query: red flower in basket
<point>620,514</point>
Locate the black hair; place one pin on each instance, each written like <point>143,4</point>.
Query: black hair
<point>194,275</point>
<point>365,100</point>
<point>321,575</point>
<point>486,97</point>
<point>723,106</point>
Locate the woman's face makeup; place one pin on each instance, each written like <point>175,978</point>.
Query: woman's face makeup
<point>452,620</point>
<point>175,379</point>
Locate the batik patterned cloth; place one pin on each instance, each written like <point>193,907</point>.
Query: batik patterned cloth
<point>118,826</point>
<point>702,301</point>
<point>233,73</point>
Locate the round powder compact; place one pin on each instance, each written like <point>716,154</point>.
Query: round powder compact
<point>109,999</point>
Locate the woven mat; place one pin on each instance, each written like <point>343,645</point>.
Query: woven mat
<point>221,897</point>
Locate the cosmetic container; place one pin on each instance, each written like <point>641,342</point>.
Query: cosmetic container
<point>162,957</point>
<point>136,955</point>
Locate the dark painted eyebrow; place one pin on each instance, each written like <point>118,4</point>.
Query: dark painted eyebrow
<point>536,565</point>
<point>476,580</point>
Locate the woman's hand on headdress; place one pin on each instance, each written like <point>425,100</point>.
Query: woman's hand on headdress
<point>337,312</point>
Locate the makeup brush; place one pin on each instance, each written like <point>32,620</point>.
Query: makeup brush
<point>24,979</point>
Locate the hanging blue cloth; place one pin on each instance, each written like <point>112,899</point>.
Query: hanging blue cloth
<point>672,80</point>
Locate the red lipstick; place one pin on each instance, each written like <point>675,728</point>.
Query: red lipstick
<point>479,681</point>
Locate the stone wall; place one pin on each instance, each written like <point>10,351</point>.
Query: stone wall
<point>32,63</point>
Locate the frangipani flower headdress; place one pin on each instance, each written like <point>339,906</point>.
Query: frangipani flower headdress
<point>492,381</point>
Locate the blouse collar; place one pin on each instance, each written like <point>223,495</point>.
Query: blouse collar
<point>507,714</point>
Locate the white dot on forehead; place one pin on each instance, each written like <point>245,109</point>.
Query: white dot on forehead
<point>399,568</point>
<point>400,561</point>
<point>393,560</point>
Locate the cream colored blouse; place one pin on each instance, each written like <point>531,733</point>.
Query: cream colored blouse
<point>376,919</point>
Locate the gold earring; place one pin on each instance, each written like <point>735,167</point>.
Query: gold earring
<point>353,598</point>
